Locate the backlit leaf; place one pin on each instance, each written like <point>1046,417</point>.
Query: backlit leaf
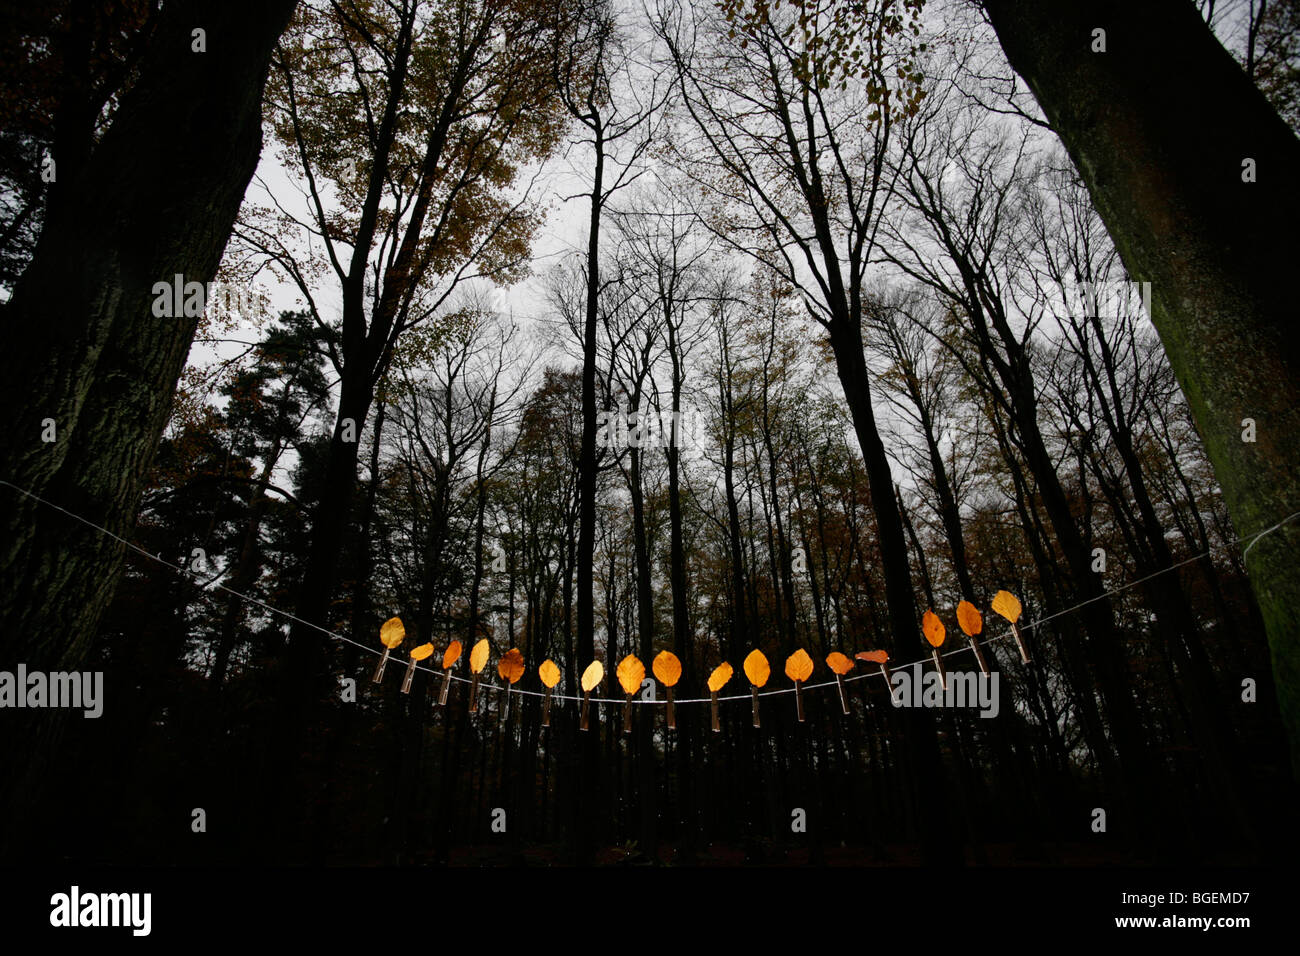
<point>1008,605</point>
<point>839,663</point>
<point>511,666</point>
<point>933,628</point>
<point>756,668</point>
<point>875,657</point>
<point>631,672</point>
<point>549,673</point>
<point>392,633</point>
<point>451,655</point>
<point>799,666</point>
<point>592,675</point>
<point>667,668</point>
<point>968,617</point>
<point>421,652</point>
<point>721,674</point>
<point>479,655</point>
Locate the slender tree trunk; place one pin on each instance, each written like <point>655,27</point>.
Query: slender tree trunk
<point>683,638</point>
<point>948,511</point>
<point>739,609</point>
<point>922,745</point>
<point>589,758</point>
<point>641,552</point>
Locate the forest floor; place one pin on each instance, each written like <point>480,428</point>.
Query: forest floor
<point>900,855</point>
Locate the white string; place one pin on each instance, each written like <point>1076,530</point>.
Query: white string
<point>635,698</point>
<point>1254,538</point>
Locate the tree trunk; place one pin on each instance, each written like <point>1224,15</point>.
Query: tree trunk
<point>1161,126</point>
<point>83,347</point>
<point>683,636</point>
<point>589,759</point>
<point>922,747</point>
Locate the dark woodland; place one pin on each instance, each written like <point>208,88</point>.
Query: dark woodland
<point>825,253</point>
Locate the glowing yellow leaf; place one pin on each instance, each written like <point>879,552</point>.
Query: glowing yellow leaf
<point>839,663</point>
<point>968,617</point>
<point>511,665</point>
<point>875,657</point>
<point>549,673</point>
<point>392,632</point>
<point>1008,605</point>
<point>479,655</point>
<point>933,628</point>
<point>756,668</point>
<point>592,675</point>
<point>721,674</point>
<point>421,652</point>
<point>451,655</point>
<point>631,672</point>
<point>667,668</point>
<point>799,666</point>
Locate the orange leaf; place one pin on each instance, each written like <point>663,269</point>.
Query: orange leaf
<point>631,672</point>
<point>549,673</point>
<point>511,666</point>
<point>392,633</point>
<point>968,617</point>
<point>667,668</point>
<point>756,668</point>
<point>799,666</point>
<point>721,674</point>
<point>452,655</point>
<point>478,657</point>
<point>933,628</point>
<point>592,675</point>
<point>875,657</point>
<point>1008,605</point>
<point>839,663</point>
<point>421,652</point>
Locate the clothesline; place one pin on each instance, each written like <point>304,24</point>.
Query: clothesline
<point>1249,540</point>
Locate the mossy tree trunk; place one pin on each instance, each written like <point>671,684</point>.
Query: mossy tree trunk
<point>1195,176</point>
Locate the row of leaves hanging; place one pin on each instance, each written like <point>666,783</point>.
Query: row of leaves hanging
<point>667,668</point>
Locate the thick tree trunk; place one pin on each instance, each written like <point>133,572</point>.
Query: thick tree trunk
<point>1162,126</point>
<point>83,347</point>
